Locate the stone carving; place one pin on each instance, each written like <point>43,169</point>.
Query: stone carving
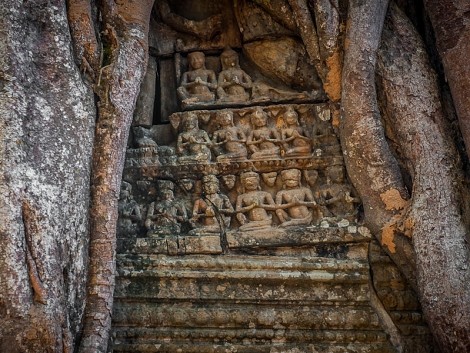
<point>198,84</point>
<point>147,153</point>
<point>269,178</point>
<point>229,181</point>
<point>129,212</point>
<point>211,213</point>
<point>234,84</point>
<point>230,140</point>
<point>253,204</point>
<point>267,171</point>
<point>336,195</point>
<point>296,202</point>
<point>294,141</point>
<point>193,145</point>
<point>165,216</point>
<point>262,140</point>
<point>323,137</point>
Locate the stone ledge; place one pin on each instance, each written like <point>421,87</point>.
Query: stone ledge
<point>234,263</point>
<point>270,238</point>
<point>150,335</point>
<point>187,316</point>
<point>217,347</point>
<point>171,245</point>
<point>299,236</point>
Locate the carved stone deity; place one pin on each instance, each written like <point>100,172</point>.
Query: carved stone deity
<point>129,212</point>
<point>198,84</point>
<point>253,204</point>
<point>294,141</point>
<point>212,211</point>
<point>262,140</point>
<point>233,83</point>
<point>296,202</point>
<point>336,196</point>
<point>193,145</point>
<point>230,140</point>
<point>165,216</point>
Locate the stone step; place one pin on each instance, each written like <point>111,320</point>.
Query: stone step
<point>273,303</point>
<point>160,265</point>
<point>254,279</point>
<point>247,347</point>
<point>244,316</point>
<point>237,336</point>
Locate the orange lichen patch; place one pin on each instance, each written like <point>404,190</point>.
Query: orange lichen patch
<point>332,85</point>
<point>388,237</point>
<point>408,227</point>
<point>335,117</point>
<point>393,200</point>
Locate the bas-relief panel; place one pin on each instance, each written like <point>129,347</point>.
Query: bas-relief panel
<point>260,169</point>
<point>247,144</point>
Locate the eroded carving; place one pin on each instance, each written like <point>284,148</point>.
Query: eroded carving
<point>296,203</point>
<point>270,178</point>
<point>337,196</point>
<point>253,204</point>
<point>198,84</point>
<point>230,140</point>
<point>234,84</point>
<point>193,145</point>
<point>166,215</point>
<point>211,213</point>
<point>294,141</point>
<point>130,216</point>
<point>263,140</point>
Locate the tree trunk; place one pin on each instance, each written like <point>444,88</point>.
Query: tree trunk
<point>433,218</point>
<point>370,163</point>
<point>125,44</point>
<point>46,130</point>
<point>452,29</point>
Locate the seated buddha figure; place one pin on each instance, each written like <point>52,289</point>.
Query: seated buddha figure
<point>233,83</point>
<point>193,144</point>
<point>295,202</point>
<point>198,84</point>
<point>294,141</point>
<point>252,205</point>
<point>262,141</point>
<point>229,140</point>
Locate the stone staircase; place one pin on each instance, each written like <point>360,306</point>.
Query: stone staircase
<point>253,296</point>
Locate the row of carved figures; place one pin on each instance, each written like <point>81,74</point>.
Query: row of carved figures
<point>212,211</point>
<point>231,143</point>
<point>200,84</point>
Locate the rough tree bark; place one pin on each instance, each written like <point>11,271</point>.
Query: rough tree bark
<point>46,130</point>
<point>451,23</point>
<point>371,166</point>
<point>125,46</point>
<point>433,217</point>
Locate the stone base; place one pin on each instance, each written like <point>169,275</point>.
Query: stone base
<point>171,245</point>
<point>200,303</point>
